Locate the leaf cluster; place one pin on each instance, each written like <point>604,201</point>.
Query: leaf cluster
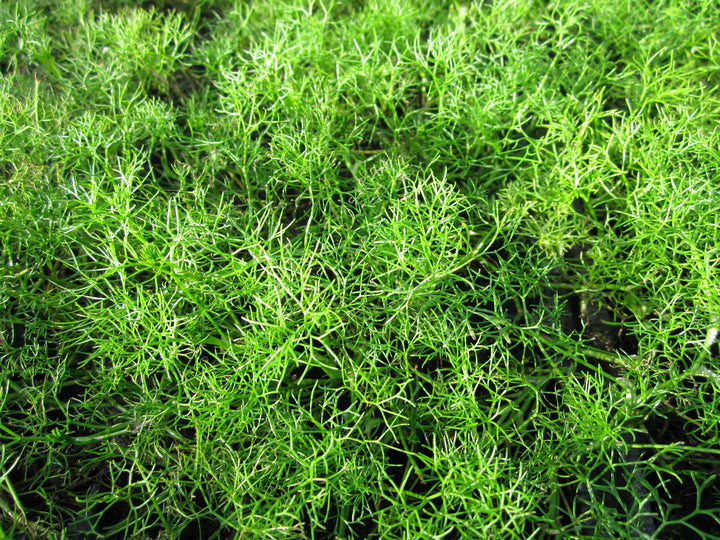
<point>338,269</point>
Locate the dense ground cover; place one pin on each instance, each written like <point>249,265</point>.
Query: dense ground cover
<point>336,269</point>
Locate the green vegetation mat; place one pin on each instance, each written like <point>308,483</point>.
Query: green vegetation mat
<point>359,269</point>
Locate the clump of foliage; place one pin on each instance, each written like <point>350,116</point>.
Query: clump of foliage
<point>341,269</point>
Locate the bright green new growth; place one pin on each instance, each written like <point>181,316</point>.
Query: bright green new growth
<point>384,269</point>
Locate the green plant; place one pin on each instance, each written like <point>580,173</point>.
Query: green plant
<point>387,269</point>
